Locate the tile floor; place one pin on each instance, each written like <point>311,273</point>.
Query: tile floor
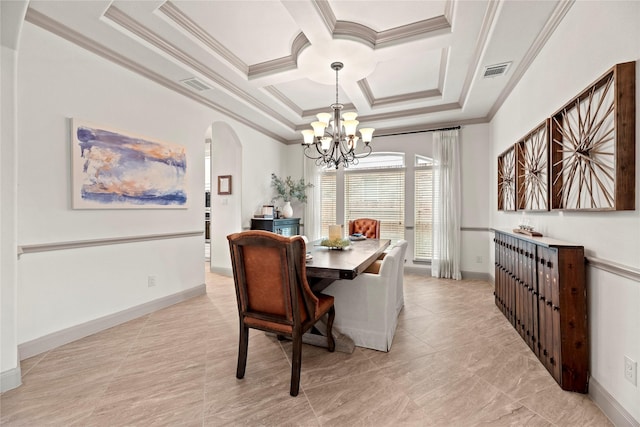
<point>455,361</point>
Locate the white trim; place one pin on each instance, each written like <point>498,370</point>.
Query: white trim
<point>65,336</point>
<point>223,271</point>
<point>610,406</point>
<point>10,379</point>
<point>57,246</point>
<point>614,267</point>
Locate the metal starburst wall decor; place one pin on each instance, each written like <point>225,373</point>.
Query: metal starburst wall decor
<point>593,146</point>
<point>507,180</point>
<point>532,173</point>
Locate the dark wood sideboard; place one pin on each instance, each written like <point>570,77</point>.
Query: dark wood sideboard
<point>284,226</point>
<point>540,287</point>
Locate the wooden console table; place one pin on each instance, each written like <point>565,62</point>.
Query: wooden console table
<point>540,287</point>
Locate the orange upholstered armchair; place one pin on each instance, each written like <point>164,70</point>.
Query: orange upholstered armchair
<point>369,228</point>
<point>273,295</point>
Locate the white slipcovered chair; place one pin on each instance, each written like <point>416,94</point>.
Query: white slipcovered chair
<point>366,305</point>
<point>402,244</point>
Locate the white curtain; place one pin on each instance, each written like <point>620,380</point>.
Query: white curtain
<point>312,209</point>
<point>446,205</point>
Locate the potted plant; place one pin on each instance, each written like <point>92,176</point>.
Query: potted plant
<point>289,189</point>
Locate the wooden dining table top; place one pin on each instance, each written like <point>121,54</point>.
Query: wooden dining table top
<point>347,263</point>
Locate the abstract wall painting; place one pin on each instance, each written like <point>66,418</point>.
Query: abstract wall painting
<point>113,170</point>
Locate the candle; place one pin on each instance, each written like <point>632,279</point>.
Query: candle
<point>335,232</point>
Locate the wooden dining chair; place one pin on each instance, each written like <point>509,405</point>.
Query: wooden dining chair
<point>369,228</point>
<point>273,295</point>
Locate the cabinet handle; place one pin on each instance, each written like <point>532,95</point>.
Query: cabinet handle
<point>556,308</point>
<point>552,361</point>
<point>542,298</point>
<point>545,352</point>
<point>549,302</point>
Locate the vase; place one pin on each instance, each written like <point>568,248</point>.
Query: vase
<point>287,210</point>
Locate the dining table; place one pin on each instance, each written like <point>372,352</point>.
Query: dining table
<point>326,265</point>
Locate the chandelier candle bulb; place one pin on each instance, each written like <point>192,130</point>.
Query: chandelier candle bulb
<point>324,118</point>
<point>366,134</point>
<point>318,128</point>
<point>308,135</point>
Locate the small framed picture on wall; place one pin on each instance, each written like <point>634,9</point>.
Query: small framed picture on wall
<point>224,184</point>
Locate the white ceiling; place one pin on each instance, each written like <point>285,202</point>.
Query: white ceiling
<point>408,65</point>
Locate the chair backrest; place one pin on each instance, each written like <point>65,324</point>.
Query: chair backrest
<point>269,271</point>
<point>389,264</point>
<point>370,228</point>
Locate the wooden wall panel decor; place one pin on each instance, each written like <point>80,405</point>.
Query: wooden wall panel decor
<point>507,180</point>
<point>540,287</point>
<point>593,145</point>
<point>532,172</point>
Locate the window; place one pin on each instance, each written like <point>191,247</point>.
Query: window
<point>327,201</point>
<point>423,241</point>
<point>375,189</point>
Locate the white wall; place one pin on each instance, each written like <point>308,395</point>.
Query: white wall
<point>62,289</point>
<point>591,39</point>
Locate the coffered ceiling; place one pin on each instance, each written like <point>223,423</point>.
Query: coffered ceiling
<point>408,65</point>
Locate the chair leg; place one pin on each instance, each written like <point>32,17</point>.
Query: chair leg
<point>242,351</point>
<point>331,344</point>
<point>296,362</point>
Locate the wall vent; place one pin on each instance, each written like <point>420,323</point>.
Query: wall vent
<point>195,83</point>
<point>495,70</point>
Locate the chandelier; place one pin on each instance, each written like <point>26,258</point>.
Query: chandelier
<point>331,145</point>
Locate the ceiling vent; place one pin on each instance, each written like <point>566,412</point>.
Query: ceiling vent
<point>496,70</point>
<point>194,83</point>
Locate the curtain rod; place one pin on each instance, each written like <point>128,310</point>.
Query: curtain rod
<point>419,131</point>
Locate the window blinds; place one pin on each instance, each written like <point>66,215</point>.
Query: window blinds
<point>327,201</point>
<point>423,240</point>
<point>379,195</point>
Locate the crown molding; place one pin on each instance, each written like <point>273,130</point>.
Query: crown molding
<point>122,19</point>
<point>54,27</point>
<point>326,13</point>
<point>550,26</point>
<point>413,30</point>
<point>413,112</point>
<point>416,128</point>
<point>374,39</point>
<point>253,71</point>
<point>481,44</point>
<point>281,64</point>
<point>427,127</point>
<point>171,11</point>
<point>396,99</point>
<point>284,99</point>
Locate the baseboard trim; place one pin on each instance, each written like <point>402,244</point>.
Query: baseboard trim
<point>476,275</point>
<point>466,275</point>
<point>10,379</point>
<point>610,406</point>
<point>223,271</point>
<point>65,336</point>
